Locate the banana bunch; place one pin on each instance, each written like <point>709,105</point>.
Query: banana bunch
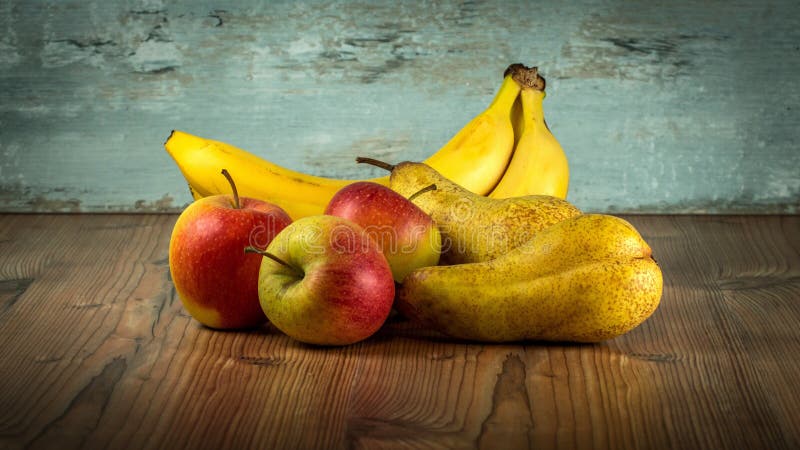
<point>505,151</point>
<point>538,165</point>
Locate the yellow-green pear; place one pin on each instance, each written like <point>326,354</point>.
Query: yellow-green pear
<point>586,279</point>
<point>474,228</point>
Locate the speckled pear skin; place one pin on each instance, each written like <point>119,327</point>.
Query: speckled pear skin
<point>476,228</point>
<point>586,279</point>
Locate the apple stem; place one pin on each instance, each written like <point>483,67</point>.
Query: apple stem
<point>269,255</point>
<point>428,188</point>
<point>233,186</point>
<point>376,163</point>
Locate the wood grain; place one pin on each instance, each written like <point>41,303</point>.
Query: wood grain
<point>97,352</point>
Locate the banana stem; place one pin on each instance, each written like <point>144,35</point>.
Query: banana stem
<point>526,77</point>
<point>375,162</point>
<point>269,255</point>
<point>233,186</point>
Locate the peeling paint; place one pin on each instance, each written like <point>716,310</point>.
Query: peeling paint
<point>48,205</point>
<point>62,52</point>
<point>9,55</point>
<point>163,204</point>
<point>343,159</point>
<point>156,57</point>
<point>660,107</point>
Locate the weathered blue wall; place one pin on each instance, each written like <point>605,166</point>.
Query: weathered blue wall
<point>668,107</point>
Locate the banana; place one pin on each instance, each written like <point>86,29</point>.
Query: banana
<point>538,165</point>
<point>201,160</point>
<point>476,157</point>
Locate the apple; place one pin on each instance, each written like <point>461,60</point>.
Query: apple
<point>215,279</point>
<point>324,281</point>
<point>408,236</point>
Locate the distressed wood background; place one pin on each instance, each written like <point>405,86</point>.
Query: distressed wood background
<point>671,107</point>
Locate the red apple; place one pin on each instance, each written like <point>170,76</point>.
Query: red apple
<point>407,235</point>
<point>216,280</point>
<point>325,282</point>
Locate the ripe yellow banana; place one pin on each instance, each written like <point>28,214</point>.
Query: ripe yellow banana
<point>476,157</point>
<point>538,165</point>
<point>201,160</point>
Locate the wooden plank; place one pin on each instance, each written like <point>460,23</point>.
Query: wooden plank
<point>97,351</point>
<point>660,106</point>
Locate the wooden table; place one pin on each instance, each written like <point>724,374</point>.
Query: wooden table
<point>97,351</point>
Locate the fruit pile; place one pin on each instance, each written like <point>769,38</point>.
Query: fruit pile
<point>478,241</point>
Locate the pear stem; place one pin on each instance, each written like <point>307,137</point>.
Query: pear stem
<point>233,186</point>
<point>376,163</point>
<point>269,255</point>
<point>428,188</point>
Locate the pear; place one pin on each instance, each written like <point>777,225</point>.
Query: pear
<point>586,279</point>
<point>474,228</point>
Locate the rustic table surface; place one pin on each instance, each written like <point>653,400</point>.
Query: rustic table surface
<point>96,351</point>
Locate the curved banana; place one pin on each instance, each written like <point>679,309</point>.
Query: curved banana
<point>538,165</point>
<point>201,160</point>
<point>475,158</point>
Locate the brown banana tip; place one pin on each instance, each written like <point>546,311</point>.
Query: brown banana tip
<point>526,77</point>
<point>169,137</point>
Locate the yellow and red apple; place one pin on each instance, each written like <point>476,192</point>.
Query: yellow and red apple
<point>325,281</point>
<point>408,236</point>
<point>215,279</point>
